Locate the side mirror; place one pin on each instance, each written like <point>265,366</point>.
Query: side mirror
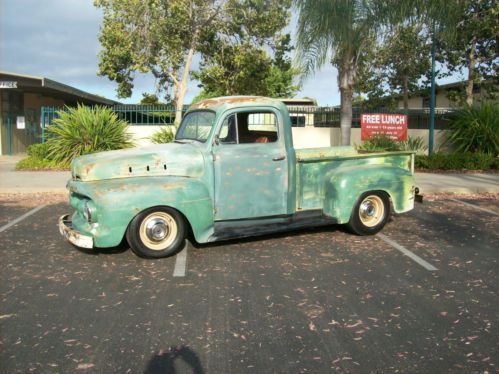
<point>216,140</point>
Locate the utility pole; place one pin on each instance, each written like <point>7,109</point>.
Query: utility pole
<point>432,97</point>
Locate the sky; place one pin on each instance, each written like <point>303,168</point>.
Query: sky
<point>57,39</point>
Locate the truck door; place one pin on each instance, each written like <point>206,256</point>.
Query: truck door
<point>250,166</point>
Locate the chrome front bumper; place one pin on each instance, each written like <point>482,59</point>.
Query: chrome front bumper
<point>73,236</point>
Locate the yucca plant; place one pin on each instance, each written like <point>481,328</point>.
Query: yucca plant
<point>413,144</point>
<point>83,130</point>
<point>163,135</point>
<point>379,143</point>
<point>476,129</point>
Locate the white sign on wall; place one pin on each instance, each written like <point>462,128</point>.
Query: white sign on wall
<point>21,123</point>
<point>8,84</point>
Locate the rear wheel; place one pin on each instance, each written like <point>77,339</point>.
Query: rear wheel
<point>157,232</point>
<point>370,213</point>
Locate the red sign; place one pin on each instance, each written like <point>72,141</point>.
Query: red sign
<point>393,126</point>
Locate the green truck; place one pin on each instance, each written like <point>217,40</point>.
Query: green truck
<point>231,172</point>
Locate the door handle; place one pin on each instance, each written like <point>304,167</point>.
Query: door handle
<point>279,158</point>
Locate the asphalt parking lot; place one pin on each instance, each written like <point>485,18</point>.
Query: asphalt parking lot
<point>420,298</point>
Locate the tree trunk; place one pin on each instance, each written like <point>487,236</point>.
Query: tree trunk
<point>406,93</point>
<point>346,80</point>
<point>471,74</point>
<point>346,115</point>
<point>182,88</point>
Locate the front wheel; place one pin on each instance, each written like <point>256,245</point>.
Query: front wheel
<point>370,213</point>
<point>157,232</point>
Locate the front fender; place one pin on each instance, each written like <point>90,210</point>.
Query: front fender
<point>117,201</point>
<point>345,185</point>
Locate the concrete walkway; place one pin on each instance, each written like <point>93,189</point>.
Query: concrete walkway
<point>12,181</point>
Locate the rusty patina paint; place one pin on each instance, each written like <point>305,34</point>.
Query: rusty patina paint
<point>213,183</point>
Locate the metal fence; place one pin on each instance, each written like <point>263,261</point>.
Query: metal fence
<point>148,115</point>
<point>330,116</point>
<point>157,115</point>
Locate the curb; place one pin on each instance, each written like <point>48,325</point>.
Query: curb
<point>458,190</point>
<point>21,190</point>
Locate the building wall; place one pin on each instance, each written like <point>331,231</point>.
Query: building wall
<point>36,101</point>
<point>20,139</point>
<point>414,103</point>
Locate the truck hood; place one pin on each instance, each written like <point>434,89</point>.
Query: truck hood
<point>171,159</point>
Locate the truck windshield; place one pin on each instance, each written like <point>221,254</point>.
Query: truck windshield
<point>196,126</point>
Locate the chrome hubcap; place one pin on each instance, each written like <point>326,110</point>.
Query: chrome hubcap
<point>371,211</point>
<point>157,229</point>
<point>367,209</point>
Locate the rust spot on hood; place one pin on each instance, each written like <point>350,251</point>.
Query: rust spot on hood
<point>230,100</point>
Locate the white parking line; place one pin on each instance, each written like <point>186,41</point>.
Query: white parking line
<point>19,219</point>
<point>408,253</point>
<point>180,263</point>
<point>475,206</point>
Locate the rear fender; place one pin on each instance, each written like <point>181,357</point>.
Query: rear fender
<point>345,185</point>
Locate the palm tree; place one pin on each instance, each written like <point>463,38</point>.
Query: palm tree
<point>340,30</point>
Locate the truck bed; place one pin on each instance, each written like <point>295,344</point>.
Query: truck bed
<point>315,165</point>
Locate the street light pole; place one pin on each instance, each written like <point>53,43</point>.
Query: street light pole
<point>432,97</point>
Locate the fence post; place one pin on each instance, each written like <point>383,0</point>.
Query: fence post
<point>9,134</point>
<point>432,98</point>
<point>42,123</point>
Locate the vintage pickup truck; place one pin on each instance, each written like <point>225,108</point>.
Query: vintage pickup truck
<point>232,171</point>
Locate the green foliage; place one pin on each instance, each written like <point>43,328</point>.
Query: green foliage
<point>40,151</point>
<point>413,144</point>
<point>339,31</point>
<point>379,143</point>
<point>475,48</point>
<point>249,55</point>
<point>383,143</point>
<point>244,69</point>
<point>395,64</point>
<point>82,130</point>
<point>39,159</point>
<point>163,135</point>
<point>457,161</point>
<point>476,129</point>
<point>149,99</point>
<point>35,163</point>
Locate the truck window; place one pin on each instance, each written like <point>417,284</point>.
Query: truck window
<point>257,127</point>
<point>228,132</point>
<point>196,126</point>
<point>249,127</point>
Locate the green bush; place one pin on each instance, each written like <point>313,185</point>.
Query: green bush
<point>83,130</point>
<point>38,159</point>
<point>413,144</point>
<point>38,151</point>
<point>34,163</point>
<point>380,143</point>
<point>476,129</point>
<point>383,143</point>
<point>457,161</point>
<point>163,135</point>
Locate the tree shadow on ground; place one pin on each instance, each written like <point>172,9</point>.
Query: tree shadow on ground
<point>164,361</point>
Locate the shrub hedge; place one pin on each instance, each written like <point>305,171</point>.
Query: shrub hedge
<point>457,161</point>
